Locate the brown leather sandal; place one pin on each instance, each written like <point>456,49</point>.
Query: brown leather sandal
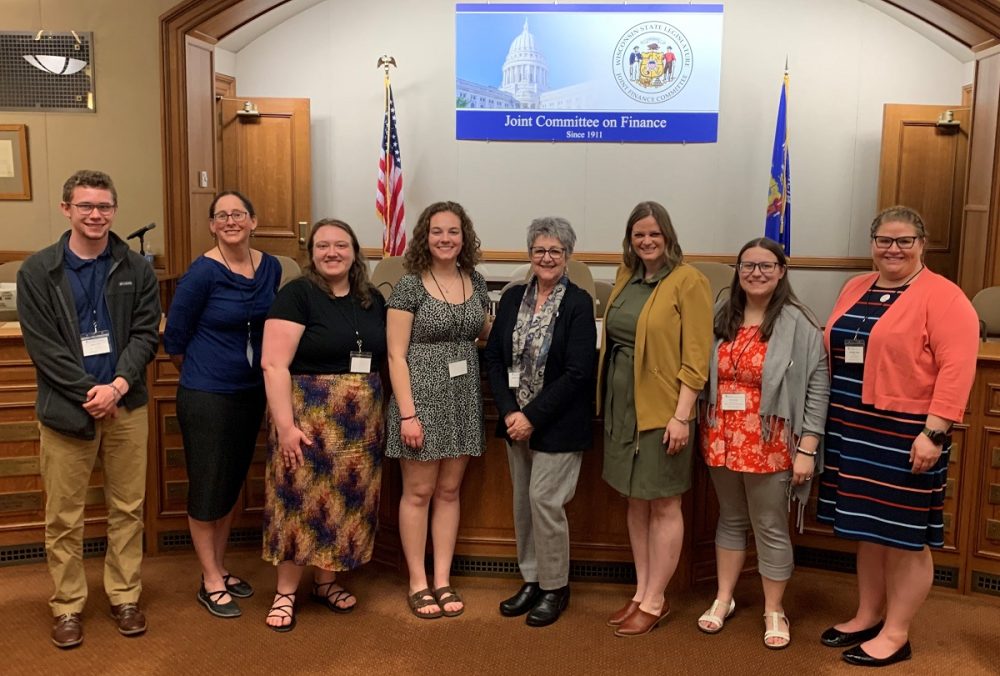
<point>422,599</point>
<point>449,595</point>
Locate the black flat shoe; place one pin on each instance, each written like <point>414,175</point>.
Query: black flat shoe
<point>834,638</point>
<point>550,605</point>
<point>860,658</point>
<point>240,589</point>
<point>211,602</point>
<point>521,602</point>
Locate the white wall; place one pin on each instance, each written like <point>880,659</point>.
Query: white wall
<point>846,60</point>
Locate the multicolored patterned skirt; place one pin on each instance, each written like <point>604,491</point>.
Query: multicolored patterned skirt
<point>325,512</point>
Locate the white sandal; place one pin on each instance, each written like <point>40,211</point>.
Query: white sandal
<point>775,618</point>
<point>712,616</point>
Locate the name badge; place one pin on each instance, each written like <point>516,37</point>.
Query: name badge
<point>734,401</point>
<point>96,343</point>
<point>458,368</point>
<point>361,362</point>
<point>854,351</point>
<point>513,379</point>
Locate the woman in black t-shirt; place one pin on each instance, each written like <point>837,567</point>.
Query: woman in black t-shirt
<point>324,348</point>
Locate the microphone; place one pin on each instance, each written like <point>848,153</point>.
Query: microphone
<point>141,231</point>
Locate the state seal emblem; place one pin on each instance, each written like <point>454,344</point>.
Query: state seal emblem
<point>652,62</point>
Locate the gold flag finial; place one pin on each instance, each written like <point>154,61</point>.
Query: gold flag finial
<point>384,62</point>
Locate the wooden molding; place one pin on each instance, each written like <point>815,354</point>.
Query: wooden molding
<point>614,258</point>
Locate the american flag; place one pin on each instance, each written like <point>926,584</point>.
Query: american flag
<point>389,194</point>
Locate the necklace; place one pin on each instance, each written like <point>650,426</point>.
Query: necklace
<point>253,270</point>
<point>253,274</point>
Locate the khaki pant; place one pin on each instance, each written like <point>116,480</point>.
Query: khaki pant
<point>66,464</point>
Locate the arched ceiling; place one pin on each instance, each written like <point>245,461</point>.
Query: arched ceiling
<point>973,24</point>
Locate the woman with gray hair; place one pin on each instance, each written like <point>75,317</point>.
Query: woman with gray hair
<point>540,357</point>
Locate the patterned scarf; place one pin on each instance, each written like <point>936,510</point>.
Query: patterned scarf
<point>533,337</point>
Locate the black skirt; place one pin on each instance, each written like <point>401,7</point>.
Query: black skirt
<point>220,433</point>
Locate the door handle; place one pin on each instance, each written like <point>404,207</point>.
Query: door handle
<point>303,225</point>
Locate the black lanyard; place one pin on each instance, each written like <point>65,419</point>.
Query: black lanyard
<point>353,319</point>
<point>902,287</point>
<point>735,363</point>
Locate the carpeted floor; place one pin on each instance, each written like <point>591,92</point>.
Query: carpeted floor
<point>953,634</point>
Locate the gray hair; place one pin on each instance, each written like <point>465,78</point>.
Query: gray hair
<point>900,214</point>
<point>552,226</point>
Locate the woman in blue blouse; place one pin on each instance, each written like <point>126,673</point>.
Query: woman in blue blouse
<point>213,335</point>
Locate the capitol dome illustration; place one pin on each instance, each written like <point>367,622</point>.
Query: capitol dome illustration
<point>524,82</point>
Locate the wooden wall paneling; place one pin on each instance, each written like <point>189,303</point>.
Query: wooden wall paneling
<point>225,87</point>
<point>979,202</point>
<point>201,134</point>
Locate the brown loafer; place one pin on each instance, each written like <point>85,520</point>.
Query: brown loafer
<point>67,630</point>
<point>640,622</point>
<point>131,621</point>
<point>622,613</point>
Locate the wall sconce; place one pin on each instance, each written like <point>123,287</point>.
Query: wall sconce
<point>947,122</point>
<point>248,110</point>
<point>56,65</point>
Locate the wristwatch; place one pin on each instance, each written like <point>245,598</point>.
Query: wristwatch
<point>937,437</point>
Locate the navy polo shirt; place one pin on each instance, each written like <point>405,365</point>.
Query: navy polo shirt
<point>87,278</point>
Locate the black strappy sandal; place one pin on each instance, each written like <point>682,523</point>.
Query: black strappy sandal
<point>331,598</point>
<point>282,611</point>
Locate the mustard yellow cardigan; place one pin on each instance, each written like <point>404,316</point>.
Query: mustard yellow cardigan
<point>673,343</point>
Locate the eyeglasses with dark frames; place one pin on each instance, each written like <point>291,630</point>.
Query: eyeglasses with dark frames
<point>907,242</point>
<point>554,253</point>
<point>221,217</point>
<point>765,267</point>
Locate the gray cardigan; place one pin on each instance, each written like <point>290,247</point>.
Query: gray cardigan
<point>795,385</point>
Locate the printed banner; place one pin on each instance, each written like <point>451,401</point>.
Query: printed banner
<point>593,73</point>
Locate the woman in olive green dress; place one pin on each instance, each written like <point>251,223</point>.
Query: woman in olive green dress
<point>654,361</point>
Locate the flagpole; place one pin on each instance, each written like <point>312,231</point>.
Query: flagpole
<point>384,62</point>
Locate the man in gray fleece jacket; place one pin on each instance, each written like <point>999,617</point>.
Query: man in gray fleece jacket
<point>89,310</point>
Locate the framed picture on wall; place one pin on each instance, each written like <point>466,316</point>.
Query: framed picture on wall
<point>15,172</point>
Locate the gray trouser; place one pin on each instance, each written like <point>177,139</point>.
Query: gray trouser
<point>543,483</point>
<point>759,501</point>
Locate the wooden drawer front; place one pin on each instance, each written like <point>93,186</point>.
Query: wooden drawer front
<point>987,511</point>
<point>171,467</point>
<point>953,489</point>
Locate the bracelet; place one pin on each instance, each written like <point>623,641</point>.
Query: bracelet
<point>409,417</point>
<point>681,421</point>
<point>811,454</point>
<point>117,391</point>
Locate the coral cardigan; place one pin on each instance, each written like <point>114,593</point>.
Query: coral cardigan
<point>921,355</point>
<point>673,342</point>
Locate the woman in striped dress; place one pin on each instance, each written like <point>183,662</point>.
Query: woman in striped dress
<point>903,344</point>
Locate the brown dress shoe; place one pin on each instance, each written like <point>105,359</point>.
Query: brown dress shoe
<point>131,621</point>
<point>67,630</point>
<point>622,613</point>
<point>640,622</point>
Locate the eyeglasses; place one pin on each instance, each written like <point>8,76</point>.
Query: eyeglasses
<point>538,253</point>
<point>901,242</point>
<point>86,208</point>
<point>766,268</point>
<point>221,217</point>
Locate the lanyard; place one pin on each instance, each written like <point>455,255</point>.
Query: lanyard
<point>353,319</point>
<point>86,294</point>
<point>735,363</point>
<point>902,286</point>
<point>249,303</point>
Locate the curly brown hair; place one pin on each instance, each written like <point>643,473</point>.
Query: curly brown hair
<point>417,258</point>
<point>361,286</point>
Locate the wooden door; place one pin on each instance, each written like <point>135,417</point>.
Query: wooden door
<point>923,166</point>
<point>267,158</point>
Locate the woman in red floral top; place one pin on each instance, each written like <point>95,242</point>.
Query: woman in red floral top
<point>764,413</point>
